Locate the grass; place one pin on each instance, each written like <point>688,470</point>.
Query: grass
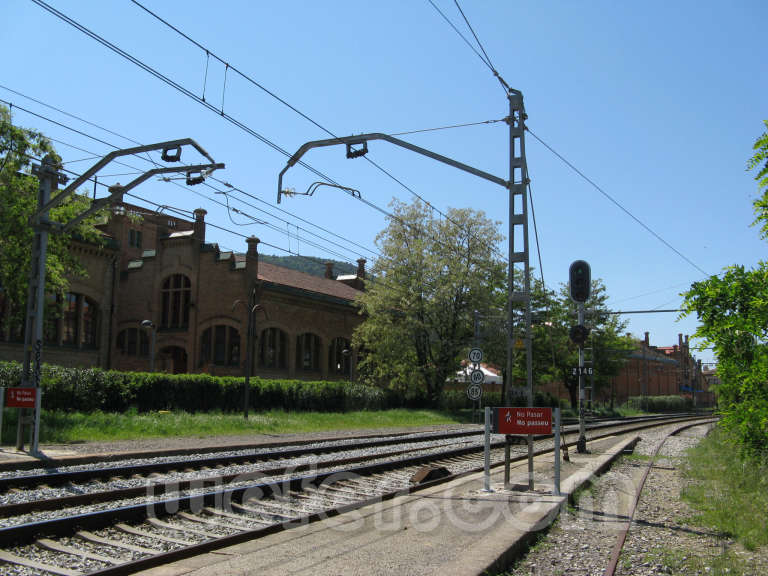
<point>728,493</point>
<point>75,427</point>
<point>722,563</point>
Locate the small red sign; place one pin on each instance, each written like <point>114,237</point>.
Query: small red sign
<point>20,397</point>
<point>522,421</point>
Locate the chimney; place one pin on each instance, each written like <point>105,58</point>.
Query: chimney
<point>252,256</point>
<point>361,268</point>
<point>199,225</point>
<point>647,340</point>
<point>680,341</point>
<point>329,270</point>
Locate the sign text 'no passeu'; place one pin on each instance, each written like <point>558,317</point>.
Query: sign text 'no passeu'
<point>522,420</point>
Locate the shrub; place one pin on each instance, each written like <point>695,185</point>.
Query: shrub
<point>92,389</point>
<point>661,403</point>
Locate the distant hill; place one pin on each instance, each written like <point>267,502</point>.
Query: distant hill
<point>309,264</point>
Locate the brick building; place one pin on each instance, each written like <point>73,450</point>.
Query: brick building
<point>159,269</point>
<point>653,371</point>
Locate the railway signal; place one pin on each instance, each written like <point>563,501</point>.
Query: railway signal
<point>580,281</point>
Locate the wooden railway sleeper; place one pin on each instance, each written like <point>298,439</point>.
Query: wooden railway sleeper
<point>181,529</point>
<point>54,546</point>
<point>152,535</point>
<point>93,538</point>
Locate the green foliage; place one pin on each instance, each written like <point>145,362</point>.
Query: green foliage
<point>554,354</point>
<point>58,426</point>
<point>760,162</point>
<point>93,389</point>
<point>733,313</point>
<point>729,493</point>
<point>19,148</point>
<point>661,403</point>
<point>432,275</point>
<point>309,264</point>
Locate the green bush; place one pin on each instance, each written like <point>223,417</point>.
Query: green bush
<point>92,389</point>
<point>661,403</point>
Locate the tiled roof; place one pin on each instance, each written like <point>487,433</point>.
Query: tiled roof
<point>302,281</point>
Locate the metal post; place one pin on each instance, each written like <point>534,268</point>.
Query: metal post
<point>557,451</point>
<point>248,352</point>
<point>33,328</point>
<point>2,408</point>
<point>506,461</point>
<point>36,428</point>
<point>487,453</point>
<point>518,181</point>
<point>581,444</point>
<point>153,349</point>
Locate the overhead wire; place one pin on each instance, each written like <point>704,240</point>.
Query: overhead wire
<point>392,216</point>
<point>616,202</point>
<point>229,118</point>
<point>42,117</point>
<point>210,53</point>
<point>131,140</point>
<point>446,127</point>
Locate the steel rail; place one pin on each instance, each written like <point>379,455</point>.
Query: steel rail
<point>208,546</point>
<point>223,498</point>
<point>64,477</point>
<point>621,538</point>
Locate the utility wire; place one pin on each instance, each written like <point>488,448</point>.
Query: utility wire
<point>408,225</point>
<point>617,203</point>
<point>210,53</point>
<point>155,163</point>
<point>467,42</point>
<point>446,127</point>
<point>504,85</point>
<point>229,118</point>
<point>175,85</point>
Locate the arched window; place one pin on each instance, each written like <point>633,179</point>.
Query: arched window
<point>176,296</point>
<point>273,345</point>
<point>339,353</point>
<point>220,345</point>
<point>69,314</point>
<point>308,352</point>
<point>133,342</point>
<point>90,323</point>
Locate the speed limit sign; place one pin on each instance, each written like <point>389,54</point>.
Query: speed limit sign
<point>477,377</point>
<point>475,355</point>
<point>474,392</point>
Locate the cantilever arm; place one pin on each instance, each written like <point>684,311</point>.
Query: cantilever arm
<point>361,138</point>
<point>59,198</point>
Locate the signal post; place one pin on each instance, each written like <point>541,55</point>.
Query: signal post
<point>580,287</point>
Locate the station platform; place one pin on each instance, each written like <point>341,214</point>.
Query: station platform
<point>452,528</point>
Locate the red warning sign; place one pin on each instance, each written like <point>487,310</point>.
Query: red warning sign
<point>20,397</point>
<point>522,421</point>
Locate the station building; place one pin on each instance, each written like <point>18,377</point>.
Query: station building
<point>157,280</point>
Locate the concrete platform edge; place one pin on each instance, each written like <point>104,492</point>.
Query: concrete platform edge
<point>546,513</point>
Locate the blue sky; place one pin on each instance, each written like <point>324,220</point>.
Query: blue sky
<point>657,102</point>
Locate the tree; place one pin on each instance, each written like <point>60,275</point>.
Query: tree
<point>19,148</point>
<point>554,354</point>
<point>431,276</point>
<point>732,309</point>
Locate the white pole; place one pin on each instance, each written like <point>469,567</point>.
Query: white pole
<point>2,408</point>
<point>36,433</point>
<point>487,474</point>
<point>557,451</point>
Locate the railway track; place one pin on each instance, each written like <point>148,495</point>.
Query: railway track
<point>171,520</point>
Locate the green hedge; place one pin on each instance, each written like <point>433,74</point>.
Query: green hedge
<point>661,403</point>
<point>90,389</point>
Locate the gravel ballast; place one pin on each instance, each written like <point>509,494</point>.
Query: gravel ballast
<point>662,540</point>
